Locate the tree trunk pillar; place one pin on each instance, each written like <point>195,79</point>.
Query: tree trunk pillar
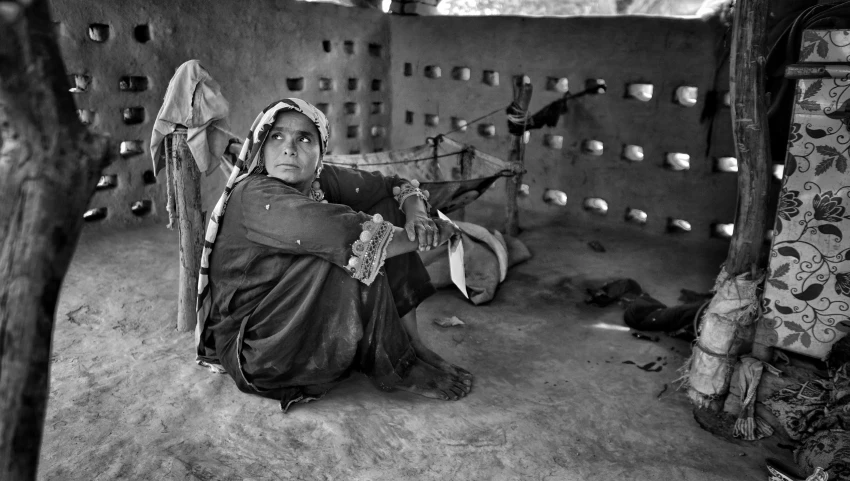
<point>522,98</point>
<point>190,227</point>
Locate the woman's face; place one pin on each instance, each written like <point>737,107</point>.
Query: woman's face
<point>292,150</point>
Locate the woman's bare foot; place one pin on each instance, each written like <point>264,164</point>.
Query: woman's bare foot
<point>434,359</point>
<point>431,357</point>
<point>426,380</point>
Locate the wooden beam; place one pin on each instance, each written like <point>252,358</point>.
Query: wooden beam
<point>190,226</point>
<point>49,167</point>
<point>522,98</point>
<point>752,143</point>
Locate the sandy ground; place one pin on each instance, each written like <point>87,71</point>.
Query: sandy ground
<point>553,399</point>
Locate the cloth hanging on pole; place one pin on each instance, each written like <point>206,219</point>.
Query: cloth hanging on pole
<point>193,100</point>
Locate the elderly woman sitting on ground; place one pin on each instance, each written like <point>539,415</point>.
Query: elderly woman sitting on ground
<point>306,275</point>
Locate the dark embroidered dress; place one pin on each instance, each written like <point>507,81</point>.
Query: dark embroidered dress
<point>299,295</point>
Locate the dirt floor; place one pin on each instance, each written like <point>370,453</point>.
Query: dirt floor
<point>554,398</point>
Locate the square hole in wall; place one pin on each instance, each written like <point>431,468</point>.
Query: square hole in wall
<point>408,117</point>
<point>79,83</point>
<point>378,131</point>
<point>461,73</point>
<point>636,216</point>
<point>633,153</point>
<point>325,108</point>
<point>555,197</point>
<point>558,84</point>
<point>148,177</point>
<point>491,77</point>
<point>133,83</point>
<point>353,131</point>
<point>141,208</point>
<point>675,226</point>
<point>553,141</point>
<point>86,116</point>
<point>129,148</point>
<point>377,108</point>
<point>376,85</point>
<point>640,91</point>
<point>295,84</point>
<point>326,46</point>
<point>142,33</point>
<point>678,161</point>
<point>433,71</point>
<point>593,147</point>
<point>96,214</point>
<point>408,69</point>
<point>375,49</point>
<point>353,83</point>
<point>350,108</point>
<point>354,151</point>
<point>596,205</point>
<point>133,115</point>
<point>487,130</point>
<point>596,86</point>
<point>686,95</point>
<point>459,124</point>
<point>348,47</point>
<point>99,32</point>
<point>107,182</point>
<point>432,120</point>
<point>325,84</point>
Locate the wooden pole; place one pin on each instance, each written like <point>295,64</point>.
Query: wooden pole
<point>465,173</point>
<point>190,228</point>
<point>522,97</point>
<point>752,143</point>
<point>49,167</point>
<point>749,116</point>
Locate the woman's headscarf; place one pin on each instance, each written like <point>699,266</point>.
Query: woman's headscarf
<point>249,161</point>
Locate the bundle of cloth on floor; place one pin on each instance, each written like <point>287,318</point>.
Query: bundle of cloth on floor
<point>816,413</point>
<point>487,257</point>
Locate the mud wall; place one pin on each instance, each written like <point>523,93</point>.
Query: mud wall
<point>371,69</point>
<point>258,51</point>
<point>667,53</point>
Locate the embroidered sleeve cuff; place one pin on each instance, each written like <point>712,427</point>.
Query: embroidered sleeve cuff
<point>370,250</point>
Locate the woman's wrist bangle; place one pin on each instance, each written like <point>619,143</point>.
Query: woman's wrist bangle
<point>407,190</point>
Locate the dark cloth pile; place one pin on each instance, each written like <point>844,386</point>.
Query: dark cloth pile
<point>645,313</point>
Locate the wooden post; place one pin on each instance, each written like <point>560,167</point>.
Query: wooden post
<point>522,98</point>
<point>749,116</point>
<point>190,227</point>
<point>752,145</point>
<point>465,173</point>
<point>49,167</point>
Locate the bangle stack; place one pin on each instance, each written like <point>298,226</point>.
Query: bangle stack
<point>402,193</point>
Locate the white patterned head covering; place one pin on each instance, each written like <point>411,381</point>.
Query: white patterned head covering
<point>249,161</point>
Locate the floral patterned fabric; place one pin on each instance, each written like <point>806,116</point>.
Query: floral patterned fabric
<point>806,304</point>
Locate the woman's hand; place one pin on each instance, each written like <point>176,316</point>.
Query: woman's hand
<point>419,227</point>
<point>447,230</point>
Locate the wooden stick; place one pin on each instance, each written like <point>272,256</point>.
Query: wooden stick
<point>522,97</point>
<point>749,115</point>
<point>465,173</point>
<point>190,227</point>
<point>49,167</point>
<point>752,145</point>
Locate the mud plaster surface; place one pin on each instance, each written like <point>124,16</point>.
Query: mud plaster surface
<point>552,400</point>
